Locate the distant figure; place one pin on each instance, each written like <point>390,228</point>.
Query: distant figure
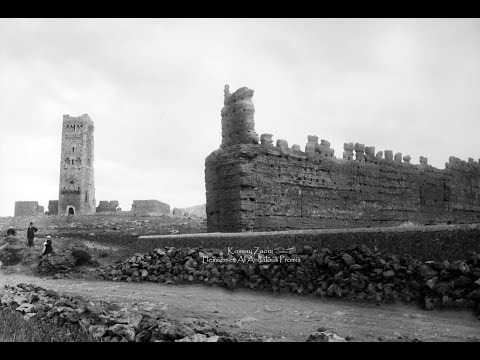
<point>47,246</point>
<point>31,234</point>
<point>11,231</point>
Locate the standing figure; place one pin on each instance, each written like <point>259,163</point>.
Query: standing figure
<point>47,246</point>
<point>31,234</point>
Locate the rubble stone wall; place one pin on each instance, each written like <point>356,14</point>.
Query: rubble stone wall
<point>353,273</point>
<point>264,187</point>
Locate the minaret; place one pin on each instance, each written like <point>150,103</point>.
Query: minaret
<point>77,188</point>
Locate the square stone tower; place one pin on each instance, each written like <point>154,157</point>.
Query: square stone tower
<point>77,190</point>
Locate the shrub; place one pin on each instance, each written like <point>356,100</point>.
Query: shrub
<point>11,255</point>
<point>81,257</point>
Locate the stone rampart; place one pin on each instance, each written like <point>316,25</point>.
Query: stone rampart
<point>267,187</point>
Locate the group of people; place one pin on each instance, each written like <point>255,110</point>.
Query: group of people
<point>47,245</point>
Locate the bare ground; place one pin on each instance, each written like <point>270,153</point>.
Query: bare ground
<point>284,317</point>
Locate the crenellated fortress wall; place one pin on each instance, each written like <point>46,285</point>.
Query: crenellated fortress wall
<point>254,185</point>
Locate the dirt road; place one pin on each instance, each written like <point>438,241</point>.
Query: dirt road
<point>285,317</point>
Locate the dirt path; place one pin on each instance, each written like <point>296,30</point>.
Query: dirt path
<point>289,316</point>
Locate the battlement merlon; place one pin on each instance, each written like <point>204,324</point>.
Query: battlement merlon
<point>455,163</point>
<point>81,118</point>
<point>238,127</point>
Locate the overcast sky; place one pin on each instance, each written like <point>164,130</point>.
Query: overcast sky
<point>154,90</point>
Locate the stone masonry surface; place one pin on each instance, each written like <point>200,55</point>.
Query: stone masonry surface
<point>267,187</point>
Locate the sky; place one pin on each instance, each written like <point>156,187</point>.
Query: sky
<point>154,90</point>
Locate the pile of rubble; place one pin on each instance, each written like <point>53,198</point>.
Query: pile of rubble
<point>106,321</point>
<point>357,273</point>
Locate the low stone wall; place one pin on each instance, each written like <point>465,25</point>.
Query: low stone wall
<point>437,243</point>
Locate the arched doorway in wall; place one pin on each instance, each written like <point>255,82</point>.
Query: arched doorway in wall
<point>70,210</point>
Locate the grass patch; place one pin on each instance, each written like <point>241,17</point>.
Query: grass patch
<point>14,328</point>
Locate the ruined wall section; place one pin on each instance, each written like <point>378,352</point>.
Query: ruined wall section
<point>238,126</point>
<point>150,207</point>
<point>264,187</point>
<point>226,180</point>
<point>77,188</point>
<point>28,208</point>
<point>53,207</point>
<point>105,206</point>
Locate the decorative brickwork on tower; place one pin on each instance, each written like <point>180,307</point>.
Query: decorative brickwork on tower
<point>77,188</point>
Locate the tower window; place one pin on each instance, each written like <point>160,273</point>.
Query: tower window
<point>73,149</point>
<point>72,162</point>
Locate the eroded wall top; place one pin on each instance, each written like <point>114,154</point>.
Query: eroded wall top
<point>238,126</point>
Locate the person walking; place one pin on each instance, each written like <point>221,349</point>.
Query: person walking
<point>31,234</point>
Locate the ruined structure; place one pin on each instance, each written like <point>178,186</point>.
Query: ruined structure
<point>197,211</point>
<point>77,191</point>
<point>28,208</point>
<point>253,186</point>
<point>177,212</point>
<point>105,206</point>
<point>150,207</point>
<point>53,207</point>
